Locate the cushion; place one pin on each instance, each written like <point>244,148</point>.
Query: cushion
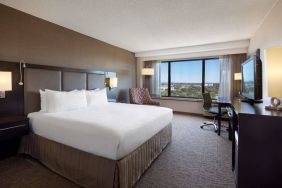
<point>59,101</point>
<point>96,97</point>
<point>43,101</point>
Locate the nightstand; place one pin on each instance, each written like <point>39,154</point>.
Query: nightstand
<point>12,128</point>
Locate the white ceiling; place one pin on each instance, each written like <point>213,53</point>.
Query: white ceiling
<point>144,25</point>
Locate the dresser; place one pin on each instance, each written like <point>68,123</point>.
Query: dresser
<point>256,145</point>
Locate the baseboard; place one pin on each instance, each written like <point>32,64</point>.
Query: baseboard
<point>188,113</point>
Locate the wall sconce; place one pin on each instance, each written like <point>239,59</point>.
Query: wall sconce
<point>111,82</point>
<point>147,71</point>
<point>5,83</point>
<point>238,76</point>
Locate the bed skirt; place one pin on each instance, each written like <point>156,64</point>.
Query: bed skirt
<point>90,170</point>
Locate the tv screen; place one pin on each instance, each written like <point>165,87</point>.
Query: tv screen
<point>251,79</point>
<point>248,79</point>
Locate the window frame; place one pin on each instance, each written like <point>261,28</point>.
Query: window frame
<point>203,75</point>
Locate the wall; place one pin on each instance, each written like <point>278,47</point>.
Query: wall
<point>273,57</point>
<point>25,37</point>
<point>268,35</point>
<point>179,105</point>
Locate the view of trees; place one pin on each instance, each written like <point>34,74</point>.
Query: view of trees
<point>193,90</point>
<point>186,77</point>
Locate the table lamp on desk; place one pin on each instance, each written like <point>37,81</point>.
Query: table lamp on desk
<point>238,78</point>
<point>274,77</point>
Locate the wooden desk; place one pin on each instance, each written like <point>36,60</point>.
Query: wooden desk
<point>257,154</point>
<point>222,102</point>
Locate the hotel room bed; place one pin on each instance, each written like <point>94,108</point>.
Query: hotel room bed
<point>104,146</point>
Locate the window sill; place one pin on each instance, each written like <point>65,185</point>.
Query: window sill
<point>178,99</point>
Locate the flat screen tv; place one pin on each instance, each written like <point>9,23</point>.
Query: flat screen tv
<point>252,79</point>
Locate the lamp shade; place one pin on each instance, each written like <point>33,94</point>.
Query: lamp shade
<point>238,76</point>
<point>147,71</point>
<point>274,68</point>
<point>5,81</point>
<point>112,82</point>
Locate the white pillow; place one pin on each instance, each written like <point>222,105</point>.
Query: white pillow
<point>96,97</point>
<point>43,101</point>
<point>59,101</point>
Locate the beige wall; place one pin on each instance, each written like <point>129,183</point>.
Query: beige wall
<point>25,37</point>
<point>273,57</point>
<point>268,35</point>
<point>178,105</point>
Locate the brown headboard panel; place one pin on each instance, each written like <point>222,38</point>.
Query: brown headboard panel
<point>38,77</point>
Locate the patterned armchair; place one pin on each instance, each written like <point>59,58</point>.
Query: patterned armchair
<point>141,96</point>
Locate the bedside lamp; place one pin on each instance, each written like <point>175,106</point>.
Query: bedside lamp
<point>274,77</point>
<point>238,76</point>
<point>5,83</point>
<point>111,82</point>
<point>147,71</point>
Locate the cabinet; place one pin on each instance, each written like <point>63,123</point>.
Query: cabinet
<point>12,128</point>
<point>257,146</point>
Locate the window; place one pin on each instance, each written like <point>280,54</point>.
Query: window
<point>190,78</point>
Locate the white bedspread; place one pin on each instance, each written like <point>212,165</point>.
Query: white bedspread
<point>112,130</point>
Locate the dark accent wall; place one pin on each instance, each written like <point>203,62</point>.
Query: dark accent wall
<point>36,41</point>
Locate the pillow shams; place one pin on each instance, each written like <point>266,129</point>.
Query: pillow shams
<point>59,101</point>
<point>96,97</point>
<point>43,101</point>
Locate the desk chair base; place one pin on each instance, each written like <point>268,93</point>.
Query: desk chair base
<point>208,123</point>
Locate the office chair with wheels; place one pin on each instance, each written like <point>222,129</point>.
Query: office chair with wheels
<point>211,109</point>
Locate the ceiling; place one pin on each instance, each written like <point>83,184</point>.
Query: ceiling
<point>144,25</point>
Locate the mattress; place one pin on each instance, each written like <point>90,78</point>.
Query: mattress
<point>112,130</point>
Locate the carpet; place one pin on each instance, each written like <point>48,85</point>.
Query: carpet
<point>195,158</point>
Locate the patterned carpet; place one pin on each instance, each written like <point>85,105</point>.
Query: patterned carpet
<point>196,158</point>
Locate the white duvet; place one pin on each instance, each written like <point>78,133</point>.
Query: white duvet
<point>112,130</point>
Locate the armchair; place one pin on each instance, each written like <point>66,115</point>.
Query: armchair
<point>141,96</point>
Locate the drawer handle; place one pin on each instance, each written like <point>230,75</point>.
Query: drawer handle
<point>12,127</point>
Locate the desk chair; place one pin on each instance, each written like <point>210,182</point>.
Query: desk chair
<point>211,109</point>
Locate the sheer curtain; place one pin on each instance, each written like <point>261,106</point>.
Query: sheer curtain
<point>226,76</point>
<point>155,85</point>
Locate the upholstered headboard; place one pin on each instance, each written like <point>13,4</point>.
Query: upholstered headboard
<point>56,78</point>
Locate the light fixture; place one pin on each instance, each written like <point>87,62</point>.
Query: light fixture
<point>274,77</point>
<point>5,82</point>
<point>147,71</point>
<point>238,76</point>
<point>111,82</point>
<point>22,66</point>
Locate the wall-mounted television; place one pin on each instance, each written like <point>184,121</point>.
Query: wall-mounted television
<point>252,79</point>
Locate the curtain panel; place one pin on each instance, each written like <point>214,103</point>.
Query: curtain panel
<point>230,64</point>
<point>153,83</point>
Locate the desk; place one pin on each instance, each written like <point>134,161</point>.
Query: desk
<point>222,102</point>
<point>256,152</point>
